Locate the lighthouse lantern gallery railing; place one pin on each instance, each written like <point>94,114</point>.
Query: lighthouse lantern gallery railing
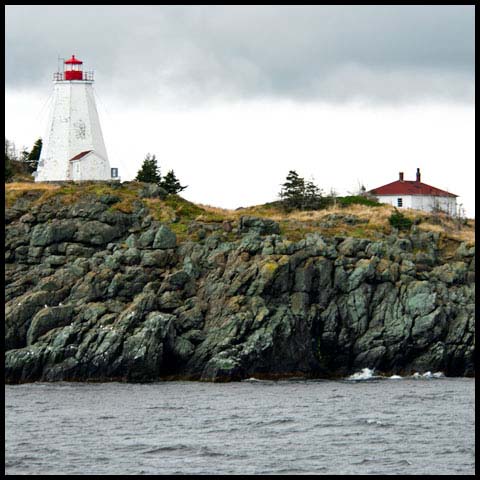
<point>87,76</point>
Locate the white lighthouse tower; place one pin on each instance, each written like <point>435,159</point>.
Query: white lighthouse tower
<point>73,147</point>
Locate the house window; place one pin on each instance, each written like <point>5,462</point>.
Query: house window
<point>114,172</point>
<point>399,202</point>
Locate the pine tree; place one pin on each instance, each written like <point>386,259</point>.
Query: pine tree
<point>171,183</point>
<point>8,169</point>
<point>34,156</point>
<point>24,155</point>
<point>149,172</point>
<point>299,194</point>
<point>313,197</point>
<point>293,190</point>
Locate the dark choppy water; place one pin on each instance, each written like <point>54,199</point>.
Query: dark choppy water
<point>403,426</point>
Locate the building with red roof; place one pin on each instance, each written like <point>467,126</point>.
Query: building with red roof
<point>416,194</point>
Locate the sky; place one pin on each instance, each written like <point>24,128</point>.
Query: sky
<point>233,97</point>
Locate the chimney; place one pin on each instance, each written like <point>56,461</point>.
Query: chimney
<point>400,175</point>
<point>418,174</point>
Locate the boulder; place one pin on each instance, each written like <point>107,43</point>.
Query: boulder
<point>48,318</point>
<point>261,226</point>
<point>96,233</point>
<point>151,190</point>
<point>164,238</point>
<point>47,233</point>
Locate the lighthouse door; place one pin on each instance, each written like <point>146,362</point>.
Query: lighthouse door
<point>75,170</point>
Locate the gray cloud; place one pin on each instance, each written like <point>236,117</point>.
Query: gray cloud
<point>197,53</point>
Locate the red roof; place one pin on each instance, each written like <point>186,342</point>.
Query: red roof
<point>80,155</point>
<point>73,61</point>
<point>410,187</point>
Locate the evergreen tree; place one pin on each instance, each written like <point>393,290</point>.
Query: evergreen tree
<point>293,191</point>
<point>24,155</point>
<point>8,169</point>
<point>313,197</point>
<point>34,156</point>
<point>171,183</point>
<point>149,172</point>
<point>297,193</point>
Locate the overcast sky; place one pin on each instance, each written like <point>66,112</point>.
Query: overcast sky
<point>233,97</point>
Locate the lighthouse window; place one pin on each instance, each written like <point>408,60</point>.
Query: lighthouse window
<point>114,172</point>
<point>399,202</point>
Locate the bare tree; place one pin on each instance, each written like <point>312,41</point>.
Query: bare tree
<point>460,217</point>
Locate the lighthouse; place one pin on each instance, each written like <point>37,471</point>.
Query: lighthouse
<point>73,148</point>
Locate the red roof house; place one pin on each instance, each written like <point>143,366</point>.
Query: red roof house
<point>415,194</point>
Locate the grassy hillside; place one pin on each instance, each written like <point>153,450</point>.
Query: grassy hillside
<point>343,219</point>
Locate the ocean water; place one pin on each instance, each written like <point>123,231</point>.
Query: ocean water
<point>361,425</point>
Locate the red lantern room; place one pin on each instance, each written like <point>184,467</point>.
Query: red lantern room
<point>73,69</point>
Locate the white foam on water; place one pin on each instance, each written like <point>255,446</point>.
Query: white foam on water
<point>369,374</point>
<point>376,422</point>
<point>428,374</point>
<point>365,374</point>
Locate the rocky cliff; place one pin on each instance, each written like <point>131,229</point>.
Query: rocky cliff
<point>97,293</point>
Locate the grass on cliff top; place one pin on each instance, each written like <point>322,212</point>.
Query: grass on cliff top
<point>15,190</point>
<point>295,225</point>
<point>179,212</point>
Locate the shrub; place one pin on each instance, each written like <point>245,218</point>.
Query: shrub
<point>359,200</point>
<point>399,220</point>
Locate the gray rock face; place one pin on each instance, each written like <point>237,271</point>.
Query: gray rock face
<point>46,234</point>
<point>262,226</point>
<point>102,295</point>
<point>47,319</point>
<point>96,233</point>
<point>164,238</point>
<point>150,190</point>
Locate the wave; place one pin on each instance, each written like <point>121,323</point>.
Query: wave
<point>365,461</point>
<point>167,448</point>
<point>276,421</point>
<point>208,452</point>
<point>428,375</point>
<point>419,375</point>
<point>371,421</point>
<point>369,374</point>
<point>203,451</point>
<point>365,374</point>
<point>263,381</point>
